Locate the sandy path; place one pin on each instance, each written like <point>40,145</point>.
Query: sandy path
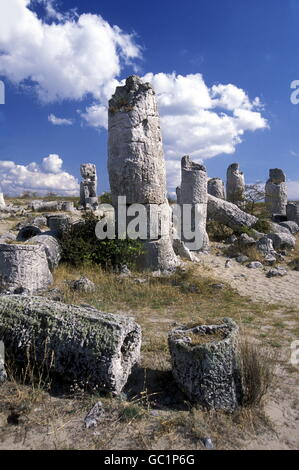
<point>254,283</point>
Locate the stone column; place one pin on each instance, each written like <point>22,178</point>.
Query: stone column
<point>136,161</point>
<point>293,212</point>
<point>216,187</point>
<point>2,202</point>
<point>194,192</point>
<point>88,187</point>
<point>235,185</point>
<point>276,196</point>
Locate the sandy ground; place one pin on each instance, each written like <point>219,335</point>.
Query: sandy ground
<point>254,283</point>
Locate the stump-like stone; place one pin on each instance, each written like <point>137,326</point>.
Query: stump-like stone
<point>229,214</point>
<point>23,267</point>
<point>2,201</point>
<point>67,206</point>
<point>88,187</point>
<point>136,163</point>
<point>44,205</point>
<point>58,224</point>
<point>216,188</point>
<point>75,344</point>
<point>235,185</point>
<point>292,211</point>
<point>205,364</point>
<point>276,193</point>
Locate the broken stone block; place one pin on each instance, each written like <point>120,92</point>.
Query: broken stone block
<point>76,344</point>
<point>282,240</point>
<point>23,267</point>
<point>277,272</point>
<point>254,265</point>
<point>229,214</point>
<point>205,365</point>
<point>94,416</point>
<point>235,185</point>
<point>276,194</point>
<point>216,188</point>
<point>67,206</point>
<point>44,205</point>
<point>292,226</point>
<point>58,224</point>
<point>83,284</point>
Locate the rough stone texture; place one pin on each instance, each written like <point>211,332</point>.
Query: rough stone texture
<point>229,214</point>
<point>28,232</point>
<point>277,228</point>
<point>292,226</point>
<point>292,211</point>
<point>67,206</point>
<point>88,187</point>
<point>235,185</point>
<point>194,192</point>
<point>181,250</point>
<point>44,205</point>
<point>282,240</point>
<point>2,202</point>
<point>265,246</point>
<point>23,267</point>
<point>58,223</point>
<point>77,344</point>
<point>277,272</point>
<point>207,372</point>
<point>178,194</point>
<point>216,188</point>
<point>95,415</point>
<point>52,248</point>
<point>135,153</point>
<point>3,374</point>
<point>136,162</point>
<point>276,196</point>
<point>83,284</point>
<point>254,265</point>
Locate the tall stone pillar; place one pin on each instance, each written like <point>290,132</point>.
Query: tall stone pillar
<point>216,188</point>
<point>194,192</point>
<point>136,162</point>
<point>276,195</point>
<point>88,187</point>
<point>235,185</point>
<point>2,202</point>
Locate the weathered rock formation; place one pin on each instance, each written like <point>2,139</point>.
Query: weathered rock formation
<point>235,185</point>
<point>216,187</point>
<point>282,240</point>
<point>205,365</point>
<point>58,224</point>
<point>28,232</point>
<point>194,193</point>
<point>88,187</point>
<point>293,212</point>
<point>77,344</point>
<point>51,246</point>
<point>136,162</point>
<point>276,196</point>
<point>2,202</point>
<point>23,267</point>
<point>44,205</point>
<point>229,214</point>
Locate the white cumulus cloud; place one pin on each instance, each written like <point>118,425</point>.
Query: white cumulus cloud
<point>66,59</point>
<point>56,121</point>
<point>46,177</point>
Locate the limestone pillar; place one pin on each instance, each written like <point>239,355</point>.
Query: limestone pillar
<point>235,185</point>
<point>276,196</point>
<point>216,187</point>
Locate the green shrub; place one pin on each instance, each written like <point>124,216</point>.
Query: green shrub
<point>218,232</point>
<point>81,246</point>
<point>263,225</point>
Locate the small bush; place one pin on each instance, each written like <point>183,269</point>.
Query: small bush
<point>81,246</point>
<point>218,232</point>
<point>258,372</point>
<point>263,225</point>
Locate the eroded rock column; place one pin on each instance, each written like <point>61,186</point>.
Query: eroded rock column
<point>88,187</point>
<point>276,195</point>
<point>194,193</point>
<point>136,161</point>
<point>216,187</point>
<point>235,185</point>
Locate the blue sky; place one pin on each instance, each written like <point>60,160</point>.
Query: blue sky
<point>208,61</point>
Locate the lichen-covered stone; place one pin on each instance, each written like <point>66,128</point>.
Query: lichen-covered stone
<point>58,224</point>
<point>276,195</point>
<point>235,185</point>
<point>216,188</point>
<point>229,214</point>
<point>76,344</point>
<point>282,240</point>
<point>88,187</point>
<point>292,226</point>
<point>23,267</point>
<point>207,371</point>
